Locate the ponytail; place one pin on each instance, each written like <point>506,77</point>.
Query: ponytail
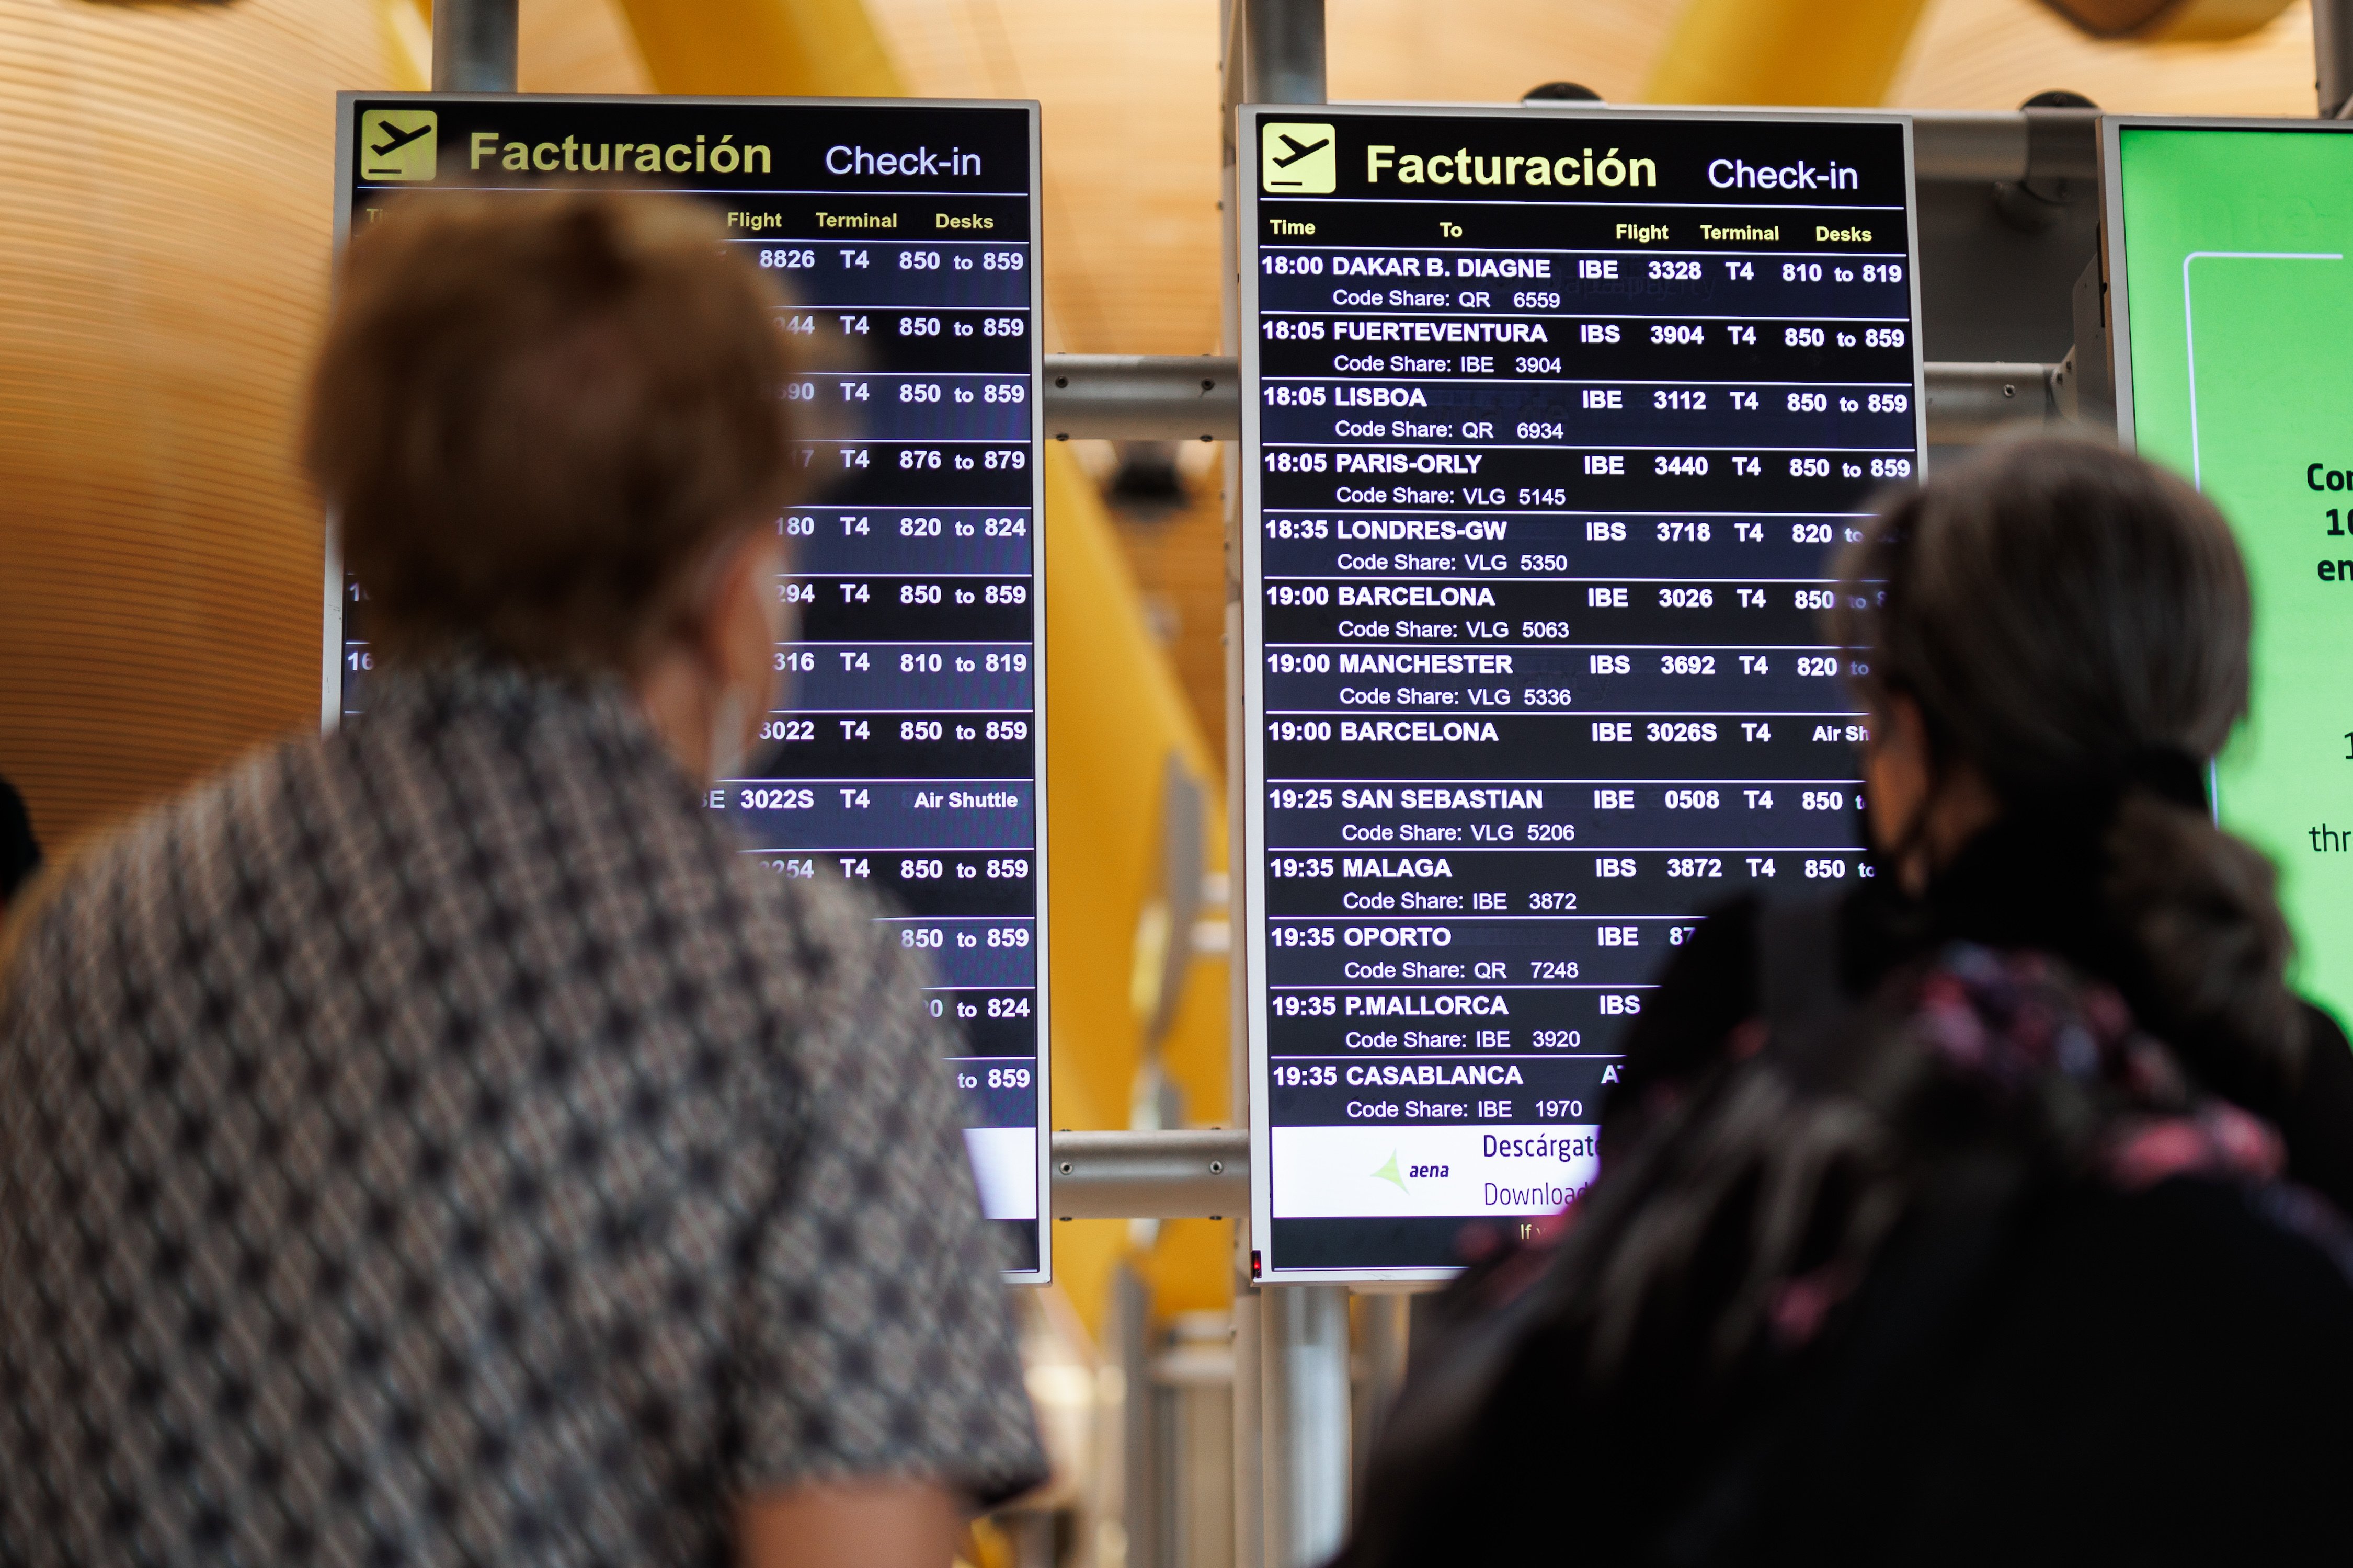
<point>2199,907</point>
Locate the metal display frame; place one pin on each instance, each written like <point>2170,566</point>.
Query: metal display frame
<point>1249,830</point>
<point>331,692</point>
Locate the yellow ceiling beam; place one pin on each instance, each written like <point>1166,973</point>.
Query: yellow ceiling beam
<point>790,49</point>
<point>1834,52</point>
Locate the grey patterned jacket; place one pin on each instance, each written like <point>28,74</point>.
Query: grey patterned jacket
<point>438,1144</point>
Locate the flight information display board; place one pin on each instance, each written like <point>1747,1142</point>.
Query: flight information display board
<point>2228,247</point>
<point>909,754</point>
<point>1551,421</point>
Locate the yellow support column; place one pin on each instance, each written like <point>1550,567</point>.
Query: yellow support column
<point>1114,714</point>
<point>1832,52</point>
<point>1114,710</point>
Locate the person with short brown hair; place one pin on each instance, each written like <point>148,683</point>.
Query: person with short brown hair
<point>532,430</point>
<point>438,1142</point>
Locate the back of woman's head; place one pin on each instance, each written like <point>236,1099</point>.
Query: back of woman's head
<point>2073,624</point>
<point>2059,611</point>
<point>534,420</point>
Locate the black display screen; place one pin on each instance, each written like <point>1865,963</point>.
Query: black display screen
<point>1552,422</point>
<point>908,754</point>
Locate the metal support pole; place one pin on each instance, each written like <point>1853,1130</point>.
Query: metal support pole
<point>1304,1333</point>
<point>1969,403</point>
<point>2006,145</point>
<point>1138,1511</point>
<point>1191,1174</point>
<point>2332,56</point>
<point>1284,51</point>
<point>1136,397</point>
<point>1291,1442</point>
<point>1248,1410</point>
<point>474,46</point>
<point>1142,397</point>
<point>1385,1325</point>
<point>1249,1403</point>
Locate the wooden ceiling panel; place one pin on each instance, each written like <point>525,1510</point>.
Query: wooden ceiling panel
<point>165,199</point>
<point>1130,115</point>
<point>1491,51</point>
<point>1995,54</point>
<point>577,46</point>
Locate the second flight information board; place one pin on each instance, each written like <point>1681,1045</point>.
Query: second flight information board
<point>908,755</point>
<point>1551,423</point>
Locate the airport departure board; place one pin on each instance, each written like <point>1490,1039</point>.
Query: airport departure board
<point>1551,423</point>
<point>909,754</point>
<point>2229,253</point>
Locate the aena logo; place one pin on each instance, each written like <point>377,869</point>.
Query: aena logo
<point>1390,1173</point>
<point>1298,159</point>
<point>399,144</point>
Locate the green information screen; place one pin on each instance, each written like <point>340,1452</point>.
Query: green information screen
<point>2231,282</point>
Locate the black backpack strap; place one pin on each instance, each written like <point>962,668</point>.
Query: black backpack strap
<point>1799,994</point>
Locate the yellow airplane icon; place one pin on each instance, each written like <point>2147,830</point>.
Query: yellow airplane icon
<point>399,144</point>
<point>396,137</point>
<point>1298,159</point>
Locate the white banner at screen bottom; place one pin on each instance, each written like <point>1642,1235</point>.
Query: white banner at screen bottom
<point>1352,1173</point>
<point>1005,1168</point>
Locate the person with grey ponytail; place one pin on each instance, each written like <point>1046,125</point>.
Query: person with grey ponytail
<point>1991,1212</point>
